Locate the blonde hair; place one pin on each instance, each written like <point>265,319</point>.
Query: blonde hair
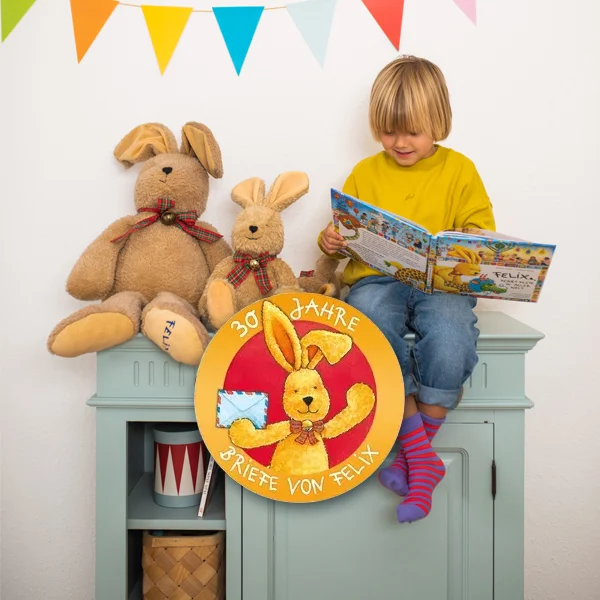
<point>410,95</point>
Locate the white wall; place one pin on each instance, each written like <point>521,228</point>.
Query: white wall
<point>524,86</point>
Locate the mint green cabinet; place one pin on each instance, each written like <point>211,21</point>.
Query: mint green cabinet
<point>351,547</point>
<point>469,548</point>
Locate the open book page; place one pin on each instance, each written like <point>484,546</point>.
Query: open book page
<point>490,267</point>
<point>472,232</point>
<point>381,240</point>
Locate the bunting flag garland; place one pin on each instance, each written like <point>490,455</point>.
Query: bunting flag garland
<point>12,11</point>
<point>314,19</point>
<point>165,26</point>
<point>388,14</point>
<point>88,20</point>
<point>237,24</point>
<point>469,7</point>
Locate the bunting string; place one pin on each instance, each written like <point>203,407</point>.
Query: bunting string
<point>237,24</point>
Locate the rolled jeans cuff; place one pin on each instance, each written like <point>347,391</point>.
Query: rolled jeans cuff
<point>445,398</point>
<point>411,386</point>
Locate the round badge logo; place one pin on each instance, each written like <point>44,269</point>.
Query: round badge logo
<point>299,397</point>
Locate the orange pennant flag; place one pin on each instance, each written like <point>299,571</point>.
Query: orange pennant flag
<point>88,20</point>
<point>388,14</point>
<point>165,26</point>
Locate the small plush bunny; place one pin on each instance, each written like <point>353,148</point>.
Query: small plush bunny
<point>300,448</point>
<point>149,268</point>
<point>254,271</point>
<point>323,279</point>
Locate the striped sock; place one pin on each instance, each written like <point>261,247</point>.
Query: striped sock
<point>395,477</point>
<point>425,471</point>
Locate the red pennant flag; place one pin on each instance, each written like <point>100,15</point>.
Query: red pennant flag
<point>388,14</point>
<point>88,20</point>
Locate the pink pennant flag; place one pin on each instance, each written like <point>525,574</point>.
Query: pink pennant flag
<point>469,7</point>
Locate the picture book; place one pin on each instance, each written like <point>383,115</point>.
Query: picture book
<point>472,262</point>
<point>210,483</point>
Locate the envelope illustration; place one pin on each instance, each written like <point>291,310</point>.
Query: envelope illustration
<point>232,405</point>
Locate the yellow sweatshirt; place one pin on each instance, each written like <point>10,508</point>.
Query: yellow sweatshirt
<point>441,192</point>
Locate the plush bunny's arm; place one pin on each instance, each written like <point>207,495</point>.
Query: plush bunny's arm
<point>215,252</point>
<point>93,275</point>
<point>284,277</point>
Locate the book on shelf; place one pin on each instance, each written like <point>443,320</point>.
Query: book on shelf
<point>472,262</point>
<point>213,472</point>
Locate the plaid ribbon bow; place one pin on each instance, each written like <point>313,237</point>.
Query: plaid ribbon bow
<point>184,221</point>
<point>306,435</point>
<point>251,264</point>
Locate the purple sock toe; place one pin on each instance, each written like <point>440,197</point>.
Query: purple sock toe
<point>394,480</point>
<point>408,512</point>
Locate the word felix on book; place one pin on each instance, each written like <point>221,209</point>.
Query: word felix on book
<point>297,397</point>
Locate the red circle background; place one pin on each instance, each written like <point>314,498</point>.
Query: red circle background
<point>253,369</point>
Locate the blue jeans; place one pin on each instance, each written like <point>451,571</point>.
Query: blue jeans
<point>444,352</point>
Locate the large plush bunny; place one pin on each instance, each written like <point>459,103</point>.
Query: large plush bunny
<point>254,271</point>
<point>300,447</point>
<point>150,269</point>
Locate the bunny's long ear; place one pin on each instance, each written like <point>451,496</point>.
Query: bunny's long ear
<point>281,337</point>
<point>320,343</point>
<point>469,255</point>
<point>286,189</point>
<point>145,142</point>
<point>249,191</point>
<point>198,140</point>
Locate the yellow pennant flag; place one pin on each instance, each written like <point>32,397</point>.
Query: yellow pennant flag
<point>165,26</point>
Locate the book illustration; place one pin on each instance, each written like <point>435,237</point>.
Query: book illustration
<point>491,267</point>
<point>378,239</point>
<point>465,261</point>
<point>300,449</point>
<point>232,405</point>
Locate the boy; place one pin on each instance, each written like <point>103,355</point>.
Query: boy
<point>415,177</point>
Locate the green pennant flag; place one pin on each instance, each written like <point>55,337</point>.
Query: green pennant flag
<point>12,12</point>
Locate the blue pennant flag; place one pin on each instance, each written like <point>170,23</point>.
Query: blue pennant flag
<point>314,18</point>
<point>237,25</point>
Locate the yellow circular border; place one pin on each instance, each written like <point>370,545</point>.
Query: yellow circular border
<point>389,404</point>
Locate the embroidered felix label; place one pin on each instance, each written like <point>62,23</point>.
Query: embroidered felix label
<point>170,325</point>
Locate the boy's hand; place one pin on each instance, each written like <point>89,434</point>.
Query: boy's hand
<point>331,240</point>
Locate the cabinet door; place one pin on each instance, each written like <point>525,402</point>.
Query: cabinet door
<point>352,547</point>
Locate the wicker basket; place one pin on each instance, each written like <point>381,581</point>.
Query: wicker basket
<point>184,567</point>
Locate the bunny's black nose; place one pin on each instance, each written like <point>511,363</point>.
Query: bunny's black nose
<point>167,170</point>
<point>253,228</point>
<point>307,400</point>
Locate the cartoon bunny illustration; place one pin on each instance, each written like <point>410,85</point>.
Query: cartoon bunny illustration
<point>300,448</point>
<point>255,270</point>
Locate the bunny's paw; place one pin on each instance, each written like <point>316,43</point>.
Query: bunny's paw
<point>360,399</point>
<point>170,323</point>
<point>241,433</point>
<point>220,303</point>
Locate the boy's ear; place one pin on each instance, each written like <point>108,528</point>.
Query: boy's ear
<point>145,142</point>
<point>198,141</point>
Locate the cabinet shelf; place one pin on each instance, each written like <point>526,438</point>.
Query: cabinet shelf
<point>144,513</point>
